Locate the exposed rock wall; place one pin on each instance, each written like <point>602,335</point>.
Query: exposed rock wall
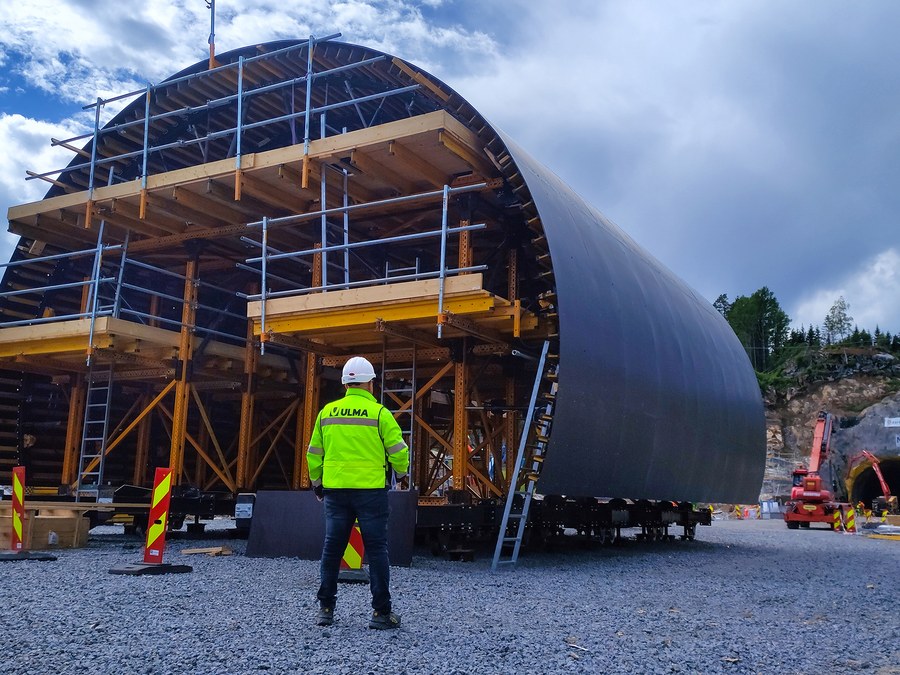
<point>861,400</point>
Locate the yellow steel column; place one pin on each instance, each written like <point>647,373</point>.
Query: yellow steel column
<point>310,410</point>
<point>183,385</point>
<point>299,477</point>
<point>248,409</point>
<point>310,399</point>
<point>142,453</point>
<point>460,425</point>
<point>74,425</point>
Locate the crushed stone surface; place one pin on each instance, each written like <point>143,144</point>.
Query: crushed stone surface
<point>744,597</point>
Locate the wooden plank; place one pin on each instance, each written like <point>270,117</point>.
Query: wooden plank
<point>210,550</point>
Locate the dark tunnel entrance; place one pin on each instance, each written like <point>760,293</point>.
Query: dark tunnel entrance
<point>866,487</point>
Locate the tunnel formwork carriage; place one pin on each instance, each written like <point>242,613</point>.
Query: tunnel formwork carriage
<point>214,253</point>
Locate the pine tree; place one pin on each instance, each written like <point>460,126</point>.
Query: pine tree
<point>722,305</point>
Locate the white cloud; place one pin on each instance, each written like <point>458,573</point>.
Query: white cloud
<point>79,50</point>
<point>872,290</point>
<point>26,146</point>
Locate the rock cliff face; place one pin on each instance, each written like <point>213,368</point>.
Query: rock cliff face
<point>862,389</point>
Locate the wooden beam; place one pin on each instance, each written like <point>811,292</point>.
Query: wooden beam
<point>180,211</point>
<point>204,204</point>
<point>433,174</point>
<point>276,195</point>
<point>169,224</point>
<point>380,173</point>
<point>459,148</point>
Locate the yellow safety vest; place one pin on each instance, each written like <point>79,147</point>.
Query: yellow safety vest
<point>353,440</point>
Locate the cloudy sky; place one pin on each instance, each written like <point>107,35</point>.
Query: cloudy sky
<point>744,143</point>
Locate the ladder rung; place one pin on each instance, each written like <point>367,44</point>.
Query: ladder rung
<point>508,561</point>
<point>510,540</point>
<point>516,515</point>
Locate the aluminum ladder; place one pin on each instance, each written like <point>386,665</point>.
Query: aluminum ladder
<point>532,448</point>
<point>94,430</point>
<point>401,382</point>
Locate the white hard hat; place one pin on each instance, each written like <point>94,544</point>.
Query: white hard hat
<point>357,369</point>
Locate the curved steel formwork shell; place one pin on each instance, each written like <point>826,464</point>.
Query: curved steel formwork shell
<point>656,397</point>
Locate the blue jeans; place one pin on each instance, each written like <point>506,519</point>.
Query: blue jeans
<point>342,508</point>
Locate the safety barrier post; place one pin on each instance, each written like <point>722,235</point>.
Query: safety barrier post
<point>18,509</point>
<point>159,516</point>
<point>156,532</point>
<point>17,549</point>
<point>850,525</point>
<point>838,521</point>
<point>352,571</point>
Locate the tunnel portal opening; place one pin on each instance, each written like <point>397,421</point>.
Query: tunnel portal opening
<point>866,488</point>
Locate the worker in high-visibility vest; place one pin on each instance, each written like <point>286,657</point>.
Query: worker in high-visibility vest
<point>354,442</point>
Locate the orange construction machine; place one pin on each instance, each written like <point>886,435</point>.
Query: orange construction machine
<point>887,502</point>
<point>810,501</point>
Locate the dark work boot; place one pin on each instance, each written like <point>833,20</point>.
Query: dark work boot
<point>326,616</point>
<point>384,621</point>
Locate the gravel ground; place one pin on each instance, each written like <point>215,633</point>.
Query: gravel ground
<point>745,597</point>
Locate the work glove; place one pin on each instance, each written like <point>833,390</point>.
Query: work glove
<point>319,491</point>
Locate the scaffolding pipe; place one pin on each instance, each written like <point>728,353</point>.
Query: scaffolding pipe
<point>262,315</point>
<point>225,132</point>
<point>420,196</point>
<point>375,242</point>
<point>445,204</point>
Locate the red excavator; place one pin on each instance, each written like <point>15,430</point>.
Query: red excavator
<point>810,502</point>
